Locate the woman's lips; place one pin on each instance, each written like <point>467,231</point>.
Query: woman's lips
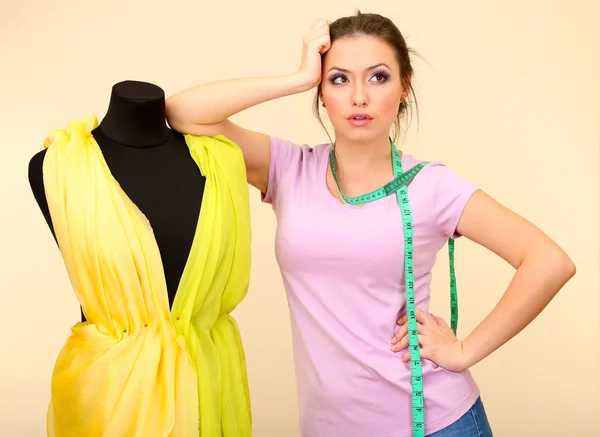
<point>359,119</point>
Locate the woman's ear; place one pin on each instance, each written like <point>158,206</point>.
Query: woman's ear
<point>406,87</point>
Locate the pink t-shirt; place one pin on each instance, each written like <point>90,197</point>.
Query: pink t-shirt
<point>343,270</point>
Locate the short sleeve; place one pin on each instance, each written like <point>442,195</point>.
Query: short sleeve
<point>451,193</point>
<point>284,155</point>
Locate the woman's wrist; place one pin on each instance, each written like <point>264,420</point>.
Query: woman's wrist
<point>301,82</point>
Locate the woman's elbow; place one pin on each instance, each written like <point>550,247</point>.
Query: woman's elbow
<point>563,265</point>
<point>172,114</point>
<point>569,267</point>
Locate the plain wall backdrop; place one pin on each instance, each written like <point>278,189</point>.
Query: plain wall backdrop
<point>509,95</point>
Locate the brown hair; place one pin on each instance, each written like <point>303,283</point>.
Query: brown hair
<point>384,29</point>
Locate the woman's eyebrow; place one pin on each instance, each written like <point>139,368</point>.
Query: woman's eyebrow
<point>370,68</point>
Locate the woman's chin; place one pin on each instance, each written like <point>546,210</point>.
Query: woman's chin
<point>361,135</point>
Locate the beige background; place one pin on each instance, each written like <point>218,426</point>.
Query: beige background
<point>510,98</point>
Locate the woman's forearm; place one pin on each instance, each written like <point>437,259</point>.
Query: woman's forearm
<point>535,283</point>
<point>214,102</point>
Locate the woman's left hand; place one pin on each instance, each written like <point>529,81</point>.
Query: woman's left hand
<point>436,339</point>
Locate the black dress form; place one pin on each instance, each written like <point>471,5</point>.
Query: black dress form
<point>153,165</point>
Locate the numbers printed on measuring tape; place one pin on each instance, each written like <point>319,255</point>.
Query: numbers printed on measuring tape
<point>399,186</point>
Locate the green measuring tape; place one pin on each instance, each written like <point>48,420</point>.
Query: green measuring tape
<point>398,186</point>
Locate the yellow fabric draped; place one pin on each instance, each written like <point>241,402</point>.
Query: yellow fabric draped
<point>134,368</point>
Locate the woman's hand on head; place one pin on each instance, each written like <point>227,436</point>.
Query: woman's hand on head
<point>315,43</point>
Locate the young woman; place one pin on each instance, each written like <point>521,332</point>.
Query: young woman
<point>342,263</point>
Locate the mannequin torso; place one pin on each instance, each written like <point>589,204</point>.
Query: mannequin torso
<point>153,165</point>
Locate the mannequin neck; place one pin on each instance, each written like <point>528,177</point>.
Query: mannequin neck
<point>136,115</point>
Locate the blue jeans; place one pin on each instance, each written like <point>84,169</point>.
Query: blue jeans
<point>473,423</point>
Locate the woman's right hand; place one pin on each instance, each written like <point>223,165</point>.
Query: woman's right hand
<point>315,43</point>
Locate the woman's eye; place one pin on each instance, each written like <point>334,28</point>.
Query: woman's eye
<point>379,77</point>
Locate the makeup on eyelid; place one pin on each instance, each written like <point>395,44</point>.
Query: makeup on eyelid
<point>383,73</point>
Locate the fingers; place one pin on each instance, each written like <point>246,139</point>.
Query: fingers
<point>319,27</point>
<point>314,24</point>
<point>323,43</point>
<point>440,321</point>
<point>424,351</point>
<point>406,356</point>
<point>318,36</point>
<point>400,339</point>
<point>402,332</point>
<point>401,344</point>
<point>422,317</point>
<point>318,23</point>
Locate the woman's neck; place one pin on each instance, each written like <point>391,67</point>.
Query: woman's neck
<point>362,157</point>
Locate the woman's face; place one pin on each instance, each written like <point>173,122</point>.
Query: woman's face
<point>361,88</point>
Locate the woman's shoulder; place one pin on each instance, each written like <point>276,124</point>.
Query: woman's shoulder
<point>292,161</point>
<point>447,191</point>
<point>432,170</point>
<point>287,154</point>
<point>438,179</point>
<point>292,146</point>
